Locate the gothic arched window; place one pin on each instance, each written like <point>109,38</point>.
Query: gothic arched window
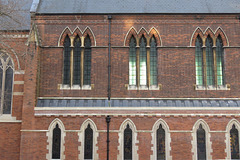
<point>6,83</point>
<point>209,61</point>
<point>199,61</point>
<point>234,143</point>
<point>87,61</point>
<point>127,143</point>
<point>219,56</point>
<point>132,63</point>
<point>153,62</point>
<point>56,143</point>
<point>77,61</point>
<point>201,143</point>
<point>161,143</point>
<point>67,63</point>
<point>88,143</point>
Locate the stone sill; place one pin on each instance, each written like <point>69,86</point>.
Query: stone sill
<point>7,118</point>
<point>212,88</point>
<point>75,87</point>
<point>133,87</point>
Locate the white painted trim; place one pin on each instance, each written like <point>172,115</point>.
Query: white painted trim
<point>19,72</point>
<point>227,135</point>
<point>167,140</point>
<point>72,98</point>
<point>7,118</point>
<point>81,139</point>
<point>60,37</point>
<point>95,42</point>
<point>15,54</point>
<point>18,93</point>
<point>194,34</point>
<point>153,28</point>
<point>135,141</point>
<point>207,136</point>
<point>49,134</point>
<point>124,43</point>
<point>18,82</point>
<point>77,28</point>
<point>220,28</point>
<point>15,36</point>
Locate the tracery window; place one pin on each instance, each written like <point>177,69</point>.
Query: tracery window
<point>127,143</point>
<point>6,83</point>
<point>142,63</point>
<point>201,143</point>
<point>209,62</point>
<point>56,143</point>
<point>88,143</point>
<point>234,143</point>
<point>77,62</point>
<point>161,143</point>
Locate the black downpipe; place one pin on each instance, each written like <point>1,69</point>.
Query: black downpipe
<point>108,119</point>
<point>109,57</point>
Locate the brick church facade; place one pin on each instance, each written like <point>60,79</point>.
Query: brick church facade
<point>112,80</point>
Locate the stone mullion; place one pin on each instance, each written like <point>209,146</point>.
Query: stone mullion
<point>71,60</point>
<point>204,64</point>
<point>82,60</point>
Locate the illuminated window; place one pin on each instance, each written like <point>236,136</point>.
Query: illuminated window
<point>234,142</point>
<point>6,83</point>
<point>77,62</point>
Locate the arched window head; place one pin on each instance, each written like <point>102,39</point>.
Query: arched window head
<point>234,143</point>
<point>209,62</point>
<point>161,154</point>
<point>199,61</point>
<point>88,143</point>
<point>56,143</point>
<point>87,61</point>
<point>127,143</point>
<point>67,63</point>
<point>201,143</point>
<point>132,62</point>
<point>219,56</point>
<point>76,61</point>
<point>153,62</point>
<point>6,83</point>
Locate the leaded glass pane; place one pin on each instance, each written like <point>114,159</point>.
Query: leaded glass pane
<point>67,55</point>
<point>56,143</point>
<point>153,62</point>
<point>132,62</point>
<point>8,91</point>
<point>199,61</point>
<point>209,62</point>
<point>234,142</point>
<point>127,143</point>
<point>160,143</point>
<point>87,62</point>
<point>77,61</point>
<point>88,143</point>
<point>219,54</point>
<point>201,143</point>
<point>143,62</point>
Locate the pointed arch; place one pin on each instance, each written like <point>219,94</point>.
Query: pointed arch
<point>198,32</point>
<point>81,135</point>
<point>208,142</point>
<point>49,134</point>
<point>65,32</point>
<point>209,32</point>
<point>154,32</point>
<point>124,125</point>
<point>219,32</point>
<point>132,32</point>
<point>143,33</point>
<point>77,32</point>
<point>88,32</point>
<point>165,127</point>
<point>228,140</point>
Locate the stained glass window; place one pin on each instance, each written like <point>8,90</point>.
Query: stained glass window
<point>128,143</point>
<point>234,142</point>
<point>67,55</point>
<point>219,55</point>
<point>88,143</point>
<point>132,62</point>
<point>161,143</point>
<point>199,61</point>
<point>201,143</point>
<point>153,62</point>
<point>8,91</point>
<point>77,61</point>
<point>209,62</point>
<point>87,62</point>
<point>143,62</point>
<point>56,143</point>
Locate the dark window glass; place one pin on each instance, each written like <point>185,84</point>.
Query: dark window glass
<point>87,61</point>
<point>201,143</point>
<point>8,91</point>
<point>199,61</point>
<point>219,55</point>
<point>1,80</point>
<point>153,62</point>
<point>56,143</point>
<point>160,143</point>
<point>143,62</point>
<point>127,143</point>
<point>234,142</point>
<point>209,62</point>
<point>77,61</point>
<point>88,143</point>
<point>132,62</point>
<point>67,55</point>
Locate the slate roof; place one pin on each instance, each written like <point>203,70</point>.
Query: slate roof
<point>137,6</point>
<point>138,103</point>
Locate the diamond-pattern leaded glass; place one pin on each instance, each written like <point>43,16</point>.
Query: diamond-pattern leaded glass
<point>67,55</point>
<point>128,143</point>
<point>88,143</point>
<point>209,62</point>
<point>201,143</point>
<point>199,61</point>
<point>143,62</point>
<point>87,61</point>
<point>77,61</point>
<point>234,143</point>
<point>56,143</point>
<point>160,143</point>
<point>8,91</point>
<point>132,62</point>
<point>219,55</point>
<point>153,62</point>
